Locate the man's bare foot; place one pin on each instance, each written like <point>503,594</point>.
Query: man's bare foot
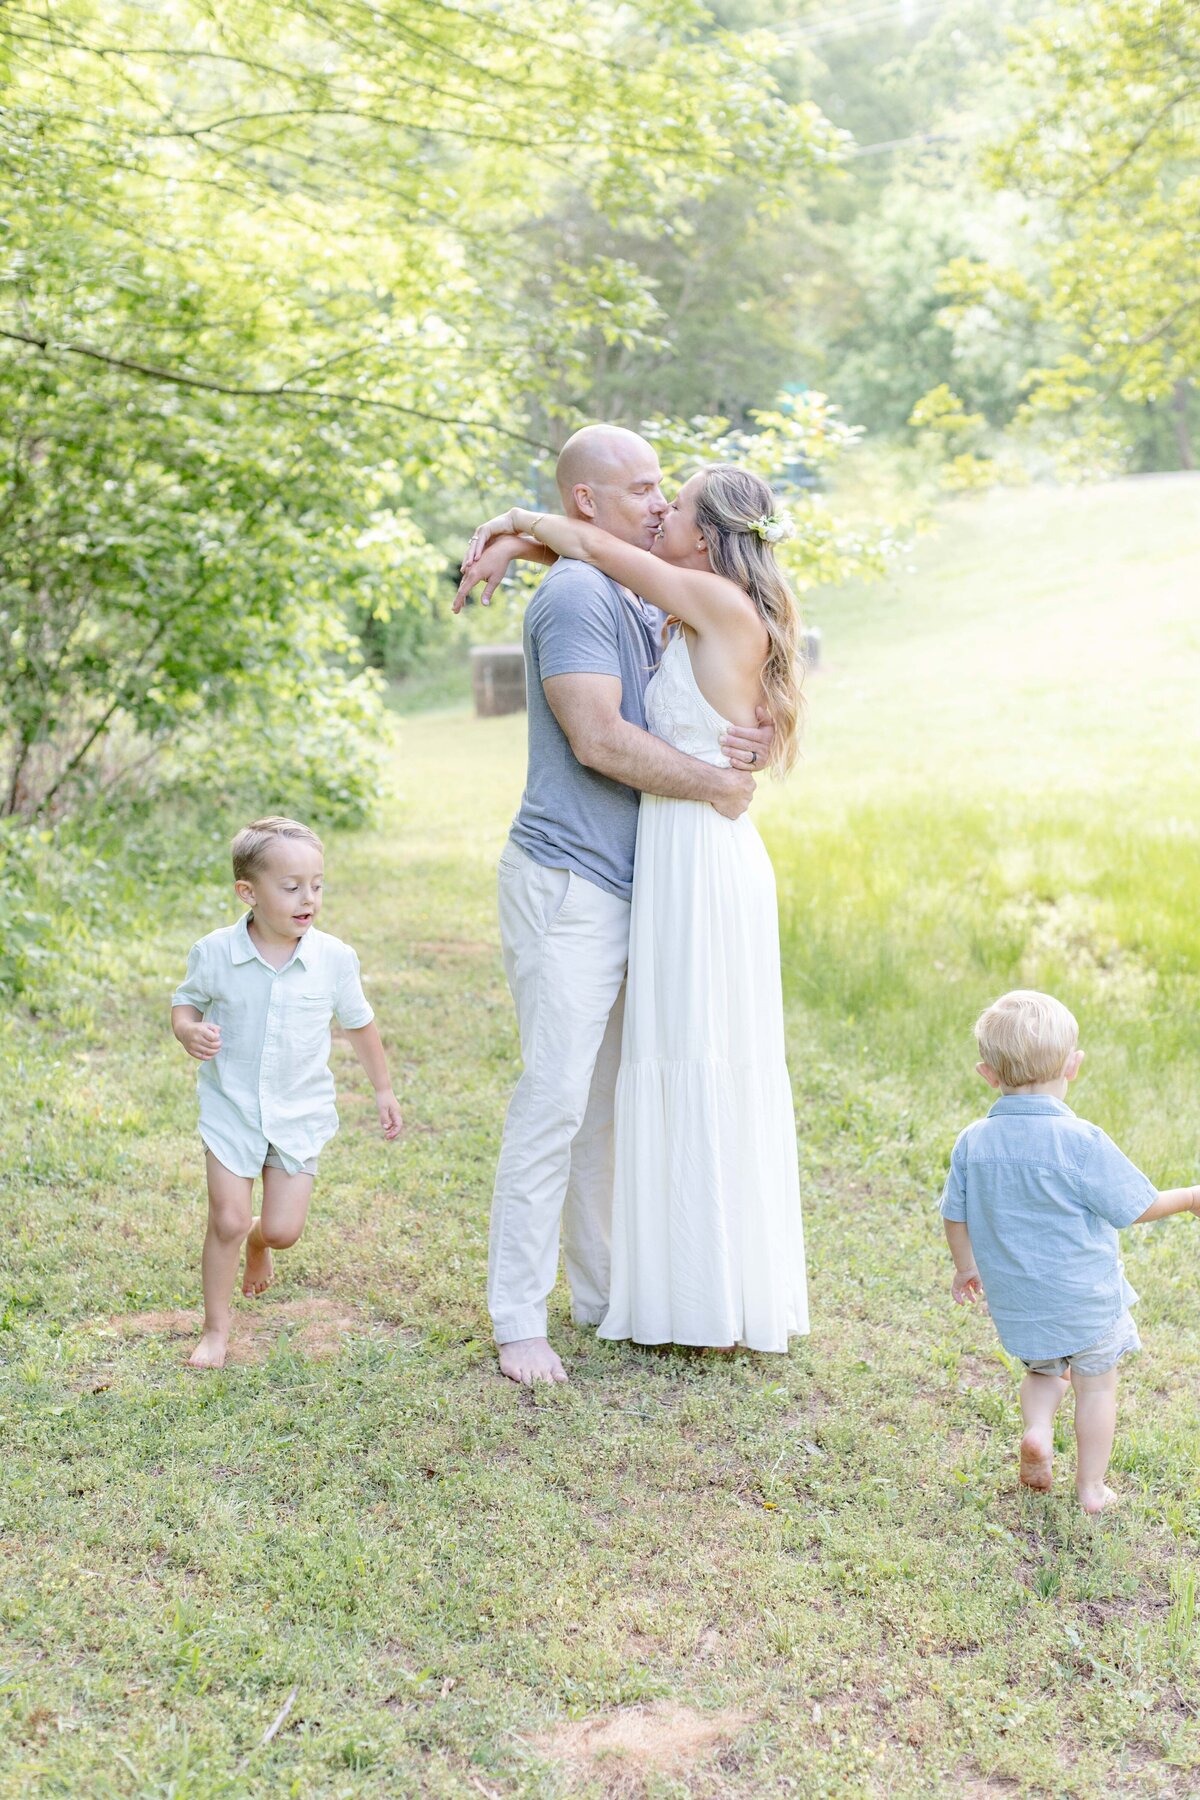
<point>530,1360</point>
<point>1037,1461</point>
<point>210,1351</point>
<point>1096,1500</point>
<point>260,1270</point>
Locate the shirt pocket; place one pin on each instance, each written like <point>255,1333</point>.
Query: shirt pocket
<point>308,1013</point>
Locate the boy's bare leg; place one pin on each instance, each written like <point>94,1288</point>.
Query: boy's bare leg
<point>1041,1397</point>
<point>284,1210</point>
<point>1095,1427</point>
<point>229,1214</point>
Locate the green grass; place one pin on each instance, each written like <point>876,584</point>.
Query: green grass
<point>442,680</point>
<point>474,1590</point>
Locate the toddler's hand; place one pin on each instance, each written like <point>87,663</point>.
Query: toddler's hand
<point>389,1114</point>
<point>201,1040</point>
<point>967,1287</point>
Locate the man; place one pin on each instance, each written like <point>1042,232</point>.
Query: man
<point>566,876</point>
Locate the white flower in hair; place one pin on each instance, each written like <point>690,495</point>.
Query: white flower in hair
<point>774,528</point>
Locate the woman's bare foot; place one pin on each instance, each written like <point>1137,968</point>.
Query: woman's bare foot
<point>210,1351</point>
<point>1096,1500</point>
<point>1037,1460</point>
<point>260,1270</point>
<point>530,1360</point>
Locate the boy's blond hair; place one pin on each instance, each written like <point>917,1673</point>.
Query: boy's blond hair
<point>252,842</point>
<point>1026,1037</point>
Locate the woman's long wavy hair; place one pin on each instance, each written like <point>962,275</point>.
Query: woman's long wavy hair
<point>728,502</point>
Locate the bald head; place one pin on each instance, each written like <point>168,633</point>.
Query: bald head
<point>611,476</point>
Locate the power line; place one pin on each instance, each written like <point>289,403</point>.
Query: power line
<point>879,14</point>
<point>920,137</point>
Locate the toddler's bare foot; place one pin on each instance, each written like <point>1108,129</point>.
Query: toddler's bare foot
<point>260,1270</point>
<point>1037,1461</point>
<point>530,1360</point>
<point>210,1351</point>
<point>1095,1500</point>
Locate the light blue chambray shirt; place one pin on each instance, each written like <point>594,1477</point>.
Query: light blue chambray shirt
<point>1044,1195</point>
<point>270,1082</point>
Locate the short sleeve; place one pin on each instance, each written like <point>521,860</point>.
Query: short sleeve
<point>193,990</point>
<point>1112,1187</point>
<point>574,627</point>
<point>351,1008</point>
<point>954,1194</point>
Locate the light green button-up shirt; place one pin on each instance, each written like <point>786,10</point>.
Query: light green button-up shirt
<point>270,1081</point>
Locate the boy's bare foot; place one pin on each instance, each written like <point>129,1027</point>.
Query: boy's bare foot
<point>260,1270</point>
<point>1096,1500</point>
<point>530,1360</point>
<point>1037,1461</point>
<point>210,1351</point>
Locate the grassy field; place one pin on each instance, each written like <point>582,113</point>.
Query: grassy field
<point>358,1563</point>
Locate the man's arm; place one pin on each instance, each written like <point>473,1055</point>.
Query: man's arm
<point>588,707</point>
<point>746,746</point>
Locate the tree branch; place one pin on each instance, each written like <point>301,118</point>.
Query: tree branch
<point>206,385</point>
<point>1072,196</point>
<point>1164,325</point>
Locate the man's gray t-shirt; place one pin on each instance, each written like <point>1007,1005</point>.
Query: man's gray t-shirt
<point>580,622</point>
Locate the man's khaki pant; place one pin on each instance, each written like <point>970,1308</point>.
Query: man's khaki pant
<point>565,944</point>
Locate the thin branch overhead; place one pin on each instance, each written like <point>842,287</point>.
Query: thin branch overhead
<point>289,392</point>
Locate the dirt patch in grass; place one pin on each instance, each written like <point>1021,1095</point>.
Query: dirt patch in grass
<point>316,1327</point>
<point>974,1786</point>
<point>621,1749</point>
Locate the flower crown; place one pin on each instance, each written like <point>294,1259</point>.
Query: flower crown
<point>773,528</point>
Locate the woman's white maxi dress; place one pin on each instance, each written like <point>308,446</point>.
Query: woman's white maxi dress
<point>708,1246</point>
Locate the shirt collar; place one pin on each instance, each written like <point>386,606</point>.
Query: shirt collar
<point>1029,1103</point>
<point>242,950</point>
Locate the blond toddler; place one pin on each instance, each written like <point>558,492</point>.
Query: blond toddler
<point>1032,1207</point>
<point>255,1009</point>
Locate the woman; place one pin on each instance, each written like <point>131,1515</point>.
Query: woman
<point>707,1240</point>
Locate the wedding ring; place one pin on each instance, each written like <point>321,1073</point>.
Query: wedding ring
<point>753,757</point>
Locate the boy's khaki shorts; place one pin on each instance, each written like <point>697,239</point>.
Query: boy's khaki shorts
<point>273,1160</point>
<point>1097,1358</point>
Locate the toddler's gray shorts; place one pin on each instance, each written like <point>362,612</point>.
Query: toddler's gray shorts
<point>273,1160</point>
<point>1097,1358</point>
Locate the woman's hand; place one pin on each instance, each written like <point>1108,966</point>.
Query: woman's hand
<point>490,567</point>
<point>502,526</point>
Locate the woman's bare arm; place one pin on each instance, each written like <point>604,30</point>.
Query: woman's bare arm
<point>703,600</point>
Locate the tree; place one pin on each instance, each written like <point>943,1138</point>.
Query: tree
<point>264,296</point>
<point>1110,153</point>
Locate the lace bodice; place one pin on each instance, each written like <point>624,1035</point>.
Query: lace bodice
<point>677,711</point>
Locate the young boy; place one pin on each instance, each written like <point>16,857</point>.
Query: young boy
<point>1032,1206</point>
<point>254,1010</point>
